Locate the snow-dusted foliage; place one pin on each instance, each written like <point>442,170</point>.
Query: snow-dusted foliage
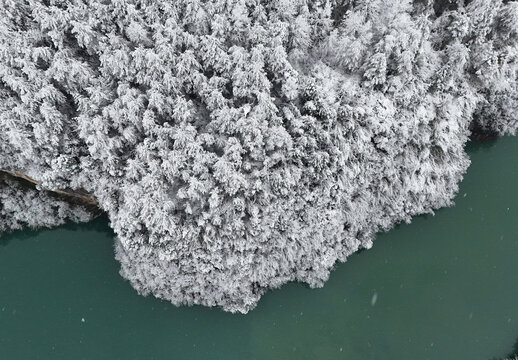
<point>240,144</point>
<point>27,207</point>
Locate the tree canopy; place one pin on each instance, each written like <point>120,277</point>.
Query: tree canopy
<point>237,145</point>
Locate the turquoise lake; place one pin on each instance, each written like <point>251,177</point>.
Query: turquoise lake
<point>443,287</point>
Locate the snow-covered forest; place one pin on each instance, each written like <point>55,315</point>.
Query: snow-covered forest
<point>236,145</point>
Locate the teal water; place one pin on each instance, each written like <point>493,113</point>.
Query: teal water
<point>443,287</point>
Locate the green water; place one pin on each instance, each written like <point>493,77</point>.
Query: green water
<point>445,286</point>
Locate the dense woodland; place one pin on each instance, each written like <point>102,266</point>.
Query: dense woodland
<point>236,145</point>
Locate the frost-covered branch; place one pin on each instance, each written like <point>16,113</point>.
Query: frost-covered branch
<point>77,195</point>
<point>22,206</point>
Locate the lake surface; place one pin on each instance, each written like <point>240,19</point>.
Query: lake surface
<point>443,287</point>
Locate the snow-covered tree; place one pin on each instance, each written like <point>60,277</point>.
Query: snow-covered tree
<point>238,145</point>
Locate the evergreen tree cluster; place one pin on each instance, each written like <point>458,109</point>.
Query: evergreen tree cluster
<point>22,207</point>
<point>237,145</point>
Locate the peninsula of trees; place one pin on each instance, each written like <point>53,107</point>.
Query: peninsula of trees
<point>236,145</point>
